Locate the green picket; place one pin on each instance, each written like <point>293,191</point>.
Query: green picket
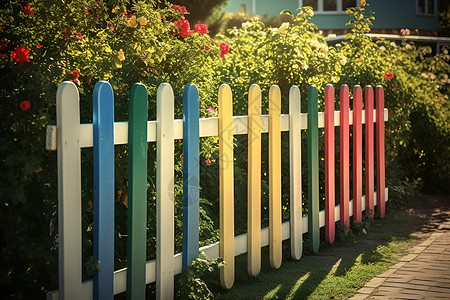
<point>313,170</point>
<point>137,192</point>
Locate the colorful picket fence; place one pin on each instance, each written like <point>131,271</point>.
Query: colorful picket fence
<point>68,137</point>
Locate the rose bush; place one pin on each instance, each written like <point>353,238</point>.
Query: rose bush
<point>44,43</point>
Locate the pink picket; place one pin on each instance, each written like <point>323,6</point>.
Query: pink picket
<point>381,197</point>
<point>329,165</point>
<point>357,154</point>
<point>344,157</point>
<point>369,155</point>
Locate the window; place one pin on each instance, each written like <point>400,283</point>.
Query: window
<point>426,7</point>
<point>329,6</point>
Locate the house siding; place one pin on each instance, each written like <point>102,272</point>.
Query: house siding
<point>389,14</point>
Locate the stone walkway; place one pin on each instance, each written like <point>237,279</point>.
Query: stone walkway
<point>424,273</point>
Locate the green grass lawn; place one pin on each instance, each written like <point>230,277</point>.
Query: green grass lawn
<point>335,272</point>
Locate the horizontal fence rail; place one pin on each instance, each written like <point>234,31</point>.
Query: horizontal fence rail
<point>68,137</point>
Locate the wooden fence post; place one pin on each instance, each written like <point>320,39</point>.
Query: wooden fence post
<point>295,169</point>
<point>226,186</point>
<point>191,175</point>
<point>369,155</point>
<point>313,170</point>
<point>69,191</point>
<point>329,165</point>
<point>137,192</point>
<point>381,197</point>
<point>165,231</point>
<point>275,220</point>
<point>254,181</point>
<point>103,130</point>
<point>357,154</point>
<point>344,153</point>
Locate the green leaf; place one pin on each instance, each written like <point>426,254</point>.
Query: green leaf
<point>286,12</point>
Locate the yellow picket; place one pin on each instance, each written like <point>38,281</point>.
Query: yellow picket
<point>226,185</point>
<point>275,233</point>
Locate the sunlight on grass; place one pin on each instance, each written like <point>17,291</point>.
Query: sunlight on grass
<point>296,286</point>
<point>272,292</point>
<point>335,267</point>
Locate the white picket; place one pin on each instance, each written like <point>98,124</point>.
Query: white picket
<point>165,231</point>
<point>69,191</point>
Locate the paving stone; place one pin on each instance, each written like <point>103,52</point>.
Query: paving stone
<point>408,257</point>
<point>424,273</point>
<point>375,282</point>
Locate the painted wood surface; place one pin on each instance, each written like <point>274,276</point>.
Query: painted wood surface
<point>313,170</point>
<point>254,181</point>
<point>208,127</point>
<point>344,154</point>
<point>275,220</point>
<point>226,185</point>
<point>295,170</point>
<point>329,165</point>
<point>69,191</point>
<point>239,244</point>
<point>357,154</point>
<point>103,123</point>
<point>381,197</point>
<point>369,154</point>
<point>165,234</point>
<point>191,174</point>
<point>137,192</point>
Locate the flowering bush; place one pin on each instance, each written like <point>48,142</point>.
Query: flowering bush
<point>44,43</point>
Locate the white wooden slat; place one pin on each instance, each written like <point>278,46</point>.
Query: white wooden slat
<point>165,232</point>
<point>69,191</point>
<point>295,169</point>
<point>208,127</point>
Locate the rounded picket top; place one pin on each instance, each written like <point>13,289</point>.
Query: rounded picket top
<point>102,87</point>
<point>191,91</point>
<point>139,92</point>
<point>294,93</point>
<point>224,91</point>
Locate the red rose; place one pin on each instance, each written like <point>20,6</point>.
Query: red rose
<point>185,27</point>
<point>180,8</point>
<point>25,105</point>
<point>26,9</point>
<point>75,74</point>
<point>202,28</point>
<point>78,36</point>
<point>20,55</point>
<point>388,75</point>
<point>225,49</point>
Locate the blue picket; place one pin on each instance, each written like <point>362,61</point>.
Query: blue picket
<point>190,175</point>
<point>103,126</point>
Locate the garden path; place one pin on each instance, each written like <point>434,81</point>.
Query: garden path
<point>424,273</point>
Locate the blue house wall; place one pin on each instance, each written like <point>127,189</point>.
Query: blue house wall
<point>389,14</point>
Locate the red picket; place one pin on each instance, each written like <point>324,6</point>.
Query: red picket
<point>329,164</point>
<point>380,150</point>
<point>344,157</point>
<point>368,97</point>
<point>357,154</point>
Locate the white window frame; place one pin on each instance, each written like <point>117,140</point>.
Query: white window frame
<point>427,13</point>
<point>339,9</point>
